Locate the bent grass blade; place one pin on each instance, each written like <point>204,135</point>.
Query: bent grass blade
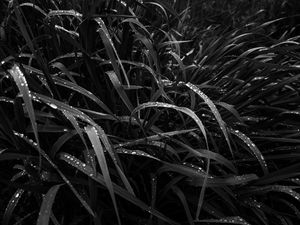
<point>110,49</point>
<point>190,113</point>
<point>13,202</point>
<point>81,90</point>
<point>184,110</point>
<point>97,146</point>
<point>22,85</point>
<point>84,168</point>
<point>213,109</point>
<point>48,200</point>
<point>253,149</point>
<point>65,179</point>
<point>119,88</point>
<point>227,220</point>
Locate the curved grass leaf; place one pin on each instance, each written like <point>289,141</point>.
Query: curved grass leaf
<point>253,149</point>
<point>61,141</point>
<point>196,178</point>
<point>155,137</point>
<point>227,220</point>
<point>76,163</point>
<point>185,110</point>
<point>119,88</point>
<point>97,146</point>
<point>21,82</point>
<point>43,153</point>
<point>55,104</point>
<point>213,109</point>
<point>34,7</point>
<point>184,202</point>
<point>65,13</point>
<point>208,155</point>
<point>278,188</point>
<point>110,49</point>
<point>149,46</point>
<point>46,206</point>
<point>180,63</point>
<point>13,202</point>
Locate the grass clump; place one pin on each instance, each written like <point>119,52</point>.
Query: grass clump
<point>110,115</point>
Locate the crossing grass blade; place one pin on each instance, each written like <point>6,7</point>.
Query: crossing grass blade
<point>184,110</point>
<point>22,85</point>
<point>111,50</point>
<point>207,154</point>
<point>97,146</point>
<point>58,105</point>
<point>213,109</point>
<point>184,202</point>
<point>119,88</point>
<point>76,163</point>
<point>253,149</point>
<point>48,200</point>
<point>65,179</point>
<point>81,90</point>
<point>61,141</point>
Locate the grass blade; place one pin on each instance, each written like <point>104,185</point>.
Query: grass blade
<point>185,110</point>
<point>13,202</point>
<point>43,153</point>
<point>227,220</point>
<point>253,149</point>
<point>48,200</point>
<point>110,49</point>
<point>184,202</point>
<point>213,109</point>
<point>97,146</point>
<point>21,82</point>
<point>117,189</point>
<point>119,88</point>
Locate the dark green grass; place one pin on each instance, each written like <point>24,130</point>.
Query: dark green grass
<point>109,114</point>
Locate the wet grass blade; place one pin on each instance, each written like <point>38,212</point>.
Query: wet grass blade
<point>226,220</point>
<point>120,90</point>
<point>21,82</point>
<point>13,202</point>
<point>253,149</point>
<point>81,90</point>
<point>184,202</point>
<point>48,200</point>
<point>43,153</point>
<point>184,110</point>
<point>213,109</point>
<point>76,163</point>
<point>55,104</point>
<point>97,146</point>
<point>110,49</point>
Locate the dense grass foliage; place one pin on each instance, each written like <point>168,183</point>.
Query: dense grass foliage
<point>121,112</point>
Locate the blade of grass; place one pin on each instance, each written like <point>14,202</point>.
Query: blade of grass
<point>22,85</point>
<point>185,110</point>
<point>253,149</point>
<point>227,220</point>
<point>110,49</point>
<point>119,88</point>
<point>213,109</point>
<point>97,146</point>
<point>46,206</point>
<point>117,189</point>
<point>43,153</point>
<point>184,202</point>
<point>13,202</point>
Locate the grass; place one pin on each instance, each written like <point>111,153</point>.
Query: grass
<point>122,112</point>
